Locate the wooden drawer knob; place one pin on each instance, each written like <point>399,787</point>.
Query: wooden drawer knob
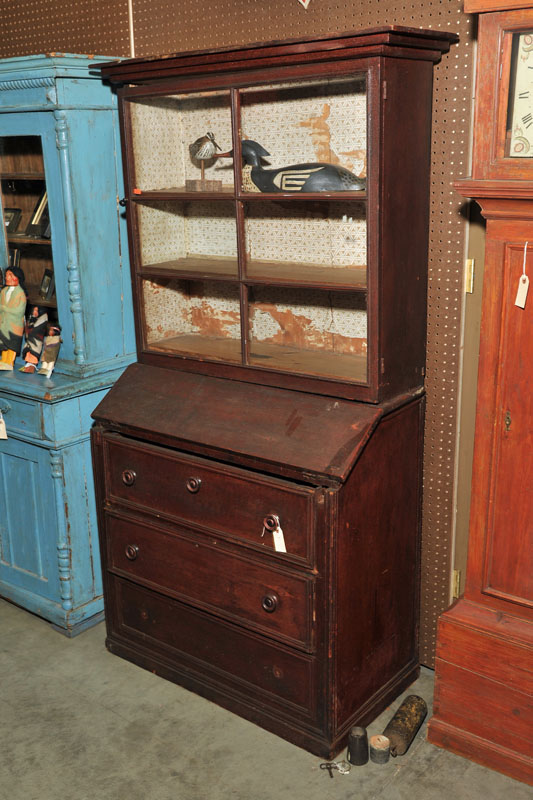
<point>193,485</point>
<point>271,522</point>
<point>269,603</point>
<point>128,477</point>
<point>132,551</point>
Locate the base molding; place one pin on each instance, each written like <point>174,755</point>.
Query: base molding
<point>483,707</point>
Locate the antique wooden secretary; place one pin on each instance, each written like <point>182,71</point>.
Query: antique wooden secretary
<point>258,469</point>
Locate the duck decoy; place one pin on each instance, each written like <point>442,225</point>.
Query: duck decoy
<point>309,177</point>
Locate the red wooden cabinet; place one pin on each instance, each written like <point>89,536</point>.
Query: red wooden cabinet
<point>484,668</point>
<point>258,471</point>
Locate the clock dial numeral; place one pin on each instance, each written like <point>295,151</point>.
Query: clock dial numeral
<point>527,120</point>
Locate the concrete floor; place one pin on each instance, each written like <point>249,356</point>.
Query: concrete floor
<point>81,724</point>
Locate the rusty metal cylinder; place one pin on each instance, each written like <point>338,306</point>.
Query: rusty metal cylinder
<point>379,749</point>
<point>404,725</point>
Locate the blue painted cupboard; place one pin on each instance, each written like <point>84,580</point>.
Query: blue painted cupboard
<point>60,178</point>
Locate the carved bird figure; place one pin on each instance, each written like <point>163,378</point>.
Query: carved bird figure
<point>309,177</point>
<point>204,148</point>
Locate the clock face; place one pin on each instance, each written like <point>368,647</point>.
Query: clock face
<point>520,115</point>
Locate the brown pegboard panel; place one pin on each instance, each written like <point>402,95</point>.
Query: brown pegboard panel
<point>78,26</point>
<point>162,26</point>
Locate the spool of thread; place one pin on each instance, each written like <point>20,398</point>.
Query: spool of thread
<point>358,746</point>
<point>379,747</point>
<point>404,725</point>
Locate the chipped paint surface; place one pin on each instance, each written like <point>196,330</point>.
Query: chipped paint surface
<point>173,308</point>
<point>321,324</point>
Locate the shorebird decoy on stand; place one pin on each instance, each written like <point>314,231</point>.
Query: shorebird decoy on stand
<point>308,177</point>
<point>202,150</point>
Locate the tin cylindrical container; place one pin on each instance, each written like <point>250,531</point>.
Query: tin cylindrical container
<point>358,746</point>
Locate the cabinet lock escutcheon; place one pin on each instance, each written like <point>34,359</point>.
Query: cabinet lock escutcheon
<point>129,477</point>
<point>131,551</point>
<point>269,603</point>
<point>193,485</point>
<point>508,421</point>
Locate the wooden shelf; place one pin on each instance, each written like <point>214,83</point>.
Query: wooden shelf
<point>180,193</point>
<point>279,273</point>
<point>227,192</point>
<point>202,347</point>
<point>27,241</point>
<point>290,273</point>
<point>341,366</point>
<point>22,176</point>
<point>194,268</point>
<point>346,367</point>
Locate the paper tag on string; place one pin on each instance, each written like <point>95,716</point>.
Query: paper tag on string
<point>521,295</point>
<point>279,540</point>
<point>523,284</point>
<point>3,430</point>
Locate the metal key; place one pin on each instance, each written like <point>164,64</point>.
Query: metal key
<point>329,766</point>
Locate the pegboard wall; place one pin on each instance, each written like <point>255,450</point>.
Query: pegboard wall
<point>165,26</point>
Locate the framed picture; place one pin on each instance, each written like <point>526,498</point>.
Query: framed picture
<point>13,257</point>
<point>11,219</point>
<point>47,288</point>
<point>39,220</point>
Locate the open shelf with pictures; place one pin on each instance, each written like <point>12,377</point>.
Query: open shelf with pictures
<point>27,227</point>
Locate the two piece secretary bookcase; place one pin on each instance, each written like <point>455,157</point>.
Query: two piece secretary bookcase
<point>258,470</point>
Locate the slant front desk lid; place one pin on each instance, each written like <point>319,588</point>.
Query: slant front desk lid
<point>293,434</point>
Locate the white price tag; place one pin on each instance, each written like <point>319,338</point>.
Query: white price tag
<point>523,284</point>
<point>279,540</point>
<point>521,295</point>
<point>3,430</point>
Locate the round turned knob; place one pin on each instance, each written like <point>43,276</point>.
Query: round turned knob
<point>132,551</point>
<point>271,522</point>
<point>128,477</point>
<point>193,485</point>
<point>269,603</point>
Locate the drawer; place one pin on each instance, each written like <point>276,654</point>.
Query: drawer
<point>198,644</point>
<point>266,599</point>
<point>215,496</point>
<point>22,416</point>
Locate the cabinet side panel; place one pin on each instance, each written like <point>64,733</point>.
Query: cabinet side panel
<point>377,564</point>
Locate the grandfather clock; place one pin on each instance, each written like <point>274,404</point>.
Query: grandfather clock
<point>484,666</point>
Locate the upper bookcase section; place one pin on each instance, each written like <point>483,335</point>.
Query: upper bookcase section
<point>277,197</point>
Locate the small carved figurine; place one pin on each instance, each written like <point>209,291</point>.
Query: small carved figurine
<point>204,149</point>
<point>36,328</point>
<point>12,309</point>
<point>52,343</point>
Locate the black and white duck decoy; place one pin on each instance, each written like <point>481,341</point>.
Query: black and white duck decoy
<point>311,177</point>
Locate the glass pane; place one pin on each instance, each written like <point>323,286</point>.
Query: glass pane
<point>519,142</point>
<point>165,132</point>
<point>28,240</point>
<point>301,126</point>
<point>197,318</point>
<point>312,242</point>
<point>309,331</point>
<point>192,237</point>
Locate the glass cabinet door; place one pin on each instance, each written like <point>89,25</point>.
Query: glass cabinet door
<point>261,259</point>
<point>28,236</point>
